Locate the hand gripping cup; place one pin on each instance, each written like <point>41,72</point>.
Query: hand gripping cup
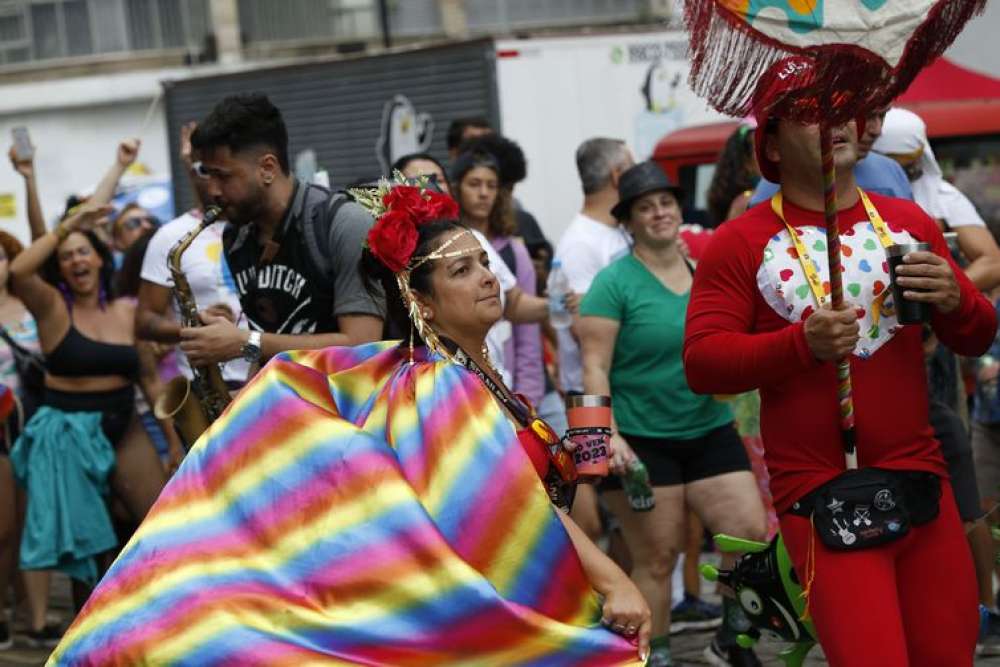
<point>589,417</point>
<point>907,312</point>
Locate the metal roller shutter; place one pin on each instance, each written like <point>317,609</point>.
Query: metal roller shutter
<point>335,107</point>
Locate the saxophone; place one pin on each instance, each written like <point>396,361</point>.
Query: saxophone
<point>192,404</point>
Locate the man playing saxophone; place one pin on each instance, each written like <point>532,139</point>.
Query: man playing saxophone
<point>211,285</point>
<point>293,248</point>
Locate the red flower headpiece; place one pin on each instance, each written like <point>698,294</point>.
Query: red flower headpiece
<point>393,238</point>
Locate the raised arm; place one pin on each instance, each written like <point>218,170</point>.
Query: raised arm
<point>128,151</point>
<point>26,167</point>
<point>41,299</point>
<point>184,153</point>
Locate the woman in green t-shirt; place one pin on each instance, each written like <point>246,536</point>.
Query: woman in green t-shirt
<point>632,335</point>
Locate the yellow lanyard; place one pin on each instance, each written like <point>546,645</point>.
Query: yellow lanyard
<point>812,275</point>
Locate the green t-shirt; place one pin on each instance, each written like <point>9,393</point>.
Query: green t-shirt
<point>649,393</point>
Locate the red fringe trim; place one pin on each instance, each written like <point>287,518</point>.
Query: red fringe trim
<point>728,57</point>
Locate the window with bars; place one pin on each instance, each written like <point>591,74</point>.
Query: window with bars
<point>38,30</point>
<point>509,15</point>
<point>35,30</point>
<point>263,21</point>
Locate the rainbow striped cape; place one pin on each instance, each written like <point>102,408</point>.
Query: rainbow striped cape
<point>350,508</point>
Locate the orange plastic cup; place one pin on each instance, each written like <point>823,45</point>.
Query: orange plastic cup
<point>589,417</point>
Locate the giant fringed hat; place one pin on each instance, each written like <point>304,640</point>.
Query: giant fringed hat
<point>866,52</point>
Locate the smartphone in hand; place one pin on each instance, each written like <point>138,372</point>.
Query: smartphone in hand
<point>22,143</point>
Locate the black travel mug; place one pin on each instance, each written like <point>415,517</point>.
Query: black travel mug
<point>907,312</point>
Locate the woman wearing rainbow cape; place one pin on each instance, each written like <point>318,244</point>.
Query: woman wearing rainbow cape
<point>390,504</point>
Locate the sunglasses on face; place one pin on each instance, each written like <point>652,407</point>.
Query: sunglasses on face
<point>132,224</point>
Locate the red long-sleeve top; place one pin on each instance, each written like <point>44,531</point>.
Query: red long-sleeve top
<point>745,331</point>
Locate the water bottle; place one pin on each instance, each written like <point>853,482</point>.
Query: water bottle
<point>637,488</point>
<point>558,288</point>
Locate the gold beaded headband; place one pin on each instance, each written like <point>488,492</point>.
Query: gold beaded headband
<point>439,252</point>
<point>417,320</point>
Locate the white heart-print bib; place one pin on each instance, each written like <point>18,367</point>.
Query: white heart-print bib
<point>782,281</point>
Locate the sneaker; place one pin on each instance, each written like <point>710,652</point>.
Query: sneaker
<point>659,652</point>
<point>733,656</point>
<point>6,639</point>
<point>988,642</point>
<point>660,658</point>
<point>47,637</point>
<point>693,613</point>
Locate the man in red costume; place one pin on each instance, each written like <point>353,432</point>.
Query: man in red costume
<point>753,322</point>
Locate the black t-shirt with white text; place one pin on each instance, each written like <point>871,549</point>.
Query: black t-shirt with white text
<point>289,294</point>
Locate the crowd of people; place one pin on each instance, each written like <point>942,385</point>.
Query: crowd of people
<point>718,357</point>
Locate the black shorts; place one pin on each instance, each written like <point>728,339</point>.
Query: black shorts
<point>672,462</point>
<point>116,407</point>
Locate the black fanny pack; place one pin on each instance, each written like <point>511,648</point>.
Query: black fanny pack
<point>865,508</point>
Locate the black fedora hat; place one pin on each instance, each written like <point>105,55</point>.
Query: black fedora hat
<point>640,180</point>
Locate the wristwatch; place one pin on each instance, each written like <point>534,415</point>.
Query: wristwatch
<point>251,348</point>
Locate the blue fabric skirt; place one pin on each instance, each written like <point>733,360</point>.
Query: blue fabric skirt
<point>63,459</point>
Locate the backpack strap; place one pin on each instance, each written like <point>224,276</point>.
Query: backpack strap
<point>316,235</point>
<point>5,335</point>
<point>14,345</point>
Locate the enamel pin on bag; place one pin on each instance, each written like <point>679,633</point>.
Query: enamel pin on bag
<point>868,507</point>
